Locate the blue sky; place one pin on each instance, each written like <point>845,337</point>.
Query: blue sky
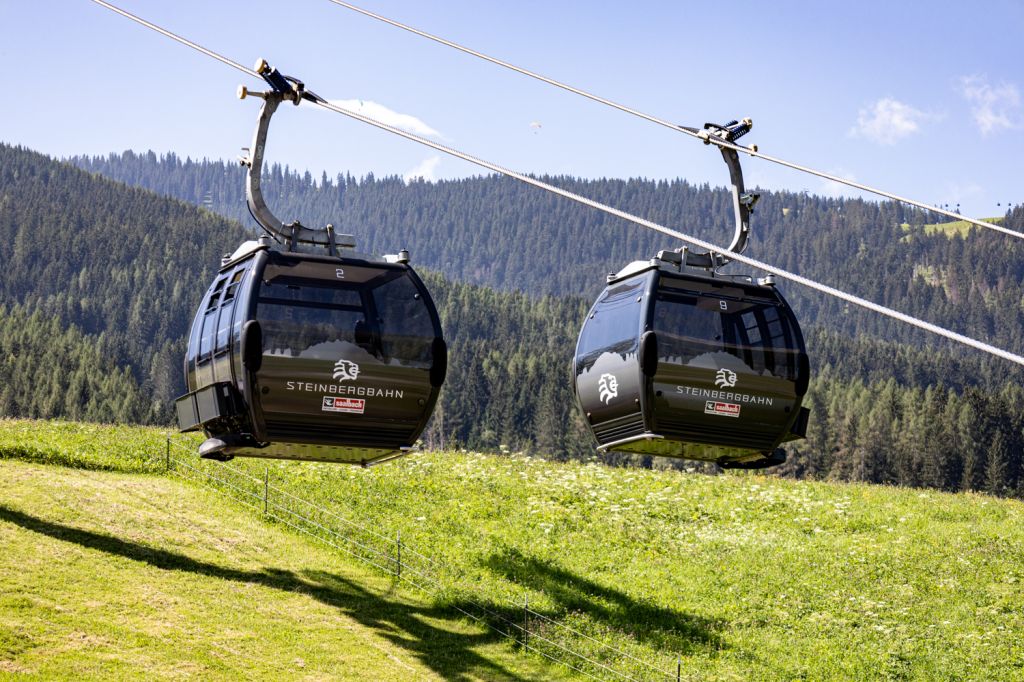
<point>925,100</point>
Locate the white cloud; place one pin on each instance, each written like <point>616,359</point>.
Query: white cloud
<point>381,113</point>
<point>426,170</point>
<point>994,108</point>
<point>888,121</point>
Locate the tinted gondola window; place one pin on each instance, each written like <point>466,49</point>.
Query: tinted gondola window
<point>310,292</point>
<point>209,324</point>
<point>224,326</point>
<point>310,318</point>
<point>406,328</point>
<point>226,309</point>
<point>614,323</point>
<point>208,334</point>
<point>241,300</point>
<point>307,332</point>
<point>691,328</point>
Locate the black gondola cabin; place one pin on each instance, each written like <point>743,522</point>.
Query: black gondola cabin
<point>691,366</point>
<point>309,356</point>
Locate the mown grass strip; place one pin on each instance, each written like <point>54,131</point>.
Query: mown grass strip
<point>113,576</point>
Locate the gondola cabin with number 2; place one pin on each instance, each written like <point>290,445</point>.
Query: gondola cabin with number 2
<point>318,354</point>
<point>312,357</point>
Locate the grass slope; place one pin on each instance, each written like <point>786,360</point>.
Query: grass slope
<point>111,576</point>
<point>746,577</point>
<point>953,228</point>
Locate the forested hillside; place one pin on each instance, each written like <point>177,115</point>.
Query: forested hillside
<point>51,369</point>
<point>122,269</point>
<point>497,232</point>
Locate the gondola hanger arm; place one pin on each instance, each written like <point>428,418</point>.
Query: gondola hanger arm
<point>282,89</point>
<point>742,201</point>
<point>723,144</point>
<point>529,180</point>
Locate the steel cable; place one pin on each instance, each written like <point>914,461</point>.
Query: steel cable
<point>174,36</point>
<point>799,279</point>
<point>673,126</point>
<point>754,263</point>
<point>779,272</point>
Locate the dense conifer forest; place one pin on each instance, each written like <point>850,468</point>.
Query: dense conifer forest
<point>100,281</point>
<point>499,233</point>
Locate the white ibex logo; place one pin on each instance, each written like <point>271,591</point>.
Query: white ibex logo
<point>345,370</point>
<point>608,388</point>
<point>725,378</point>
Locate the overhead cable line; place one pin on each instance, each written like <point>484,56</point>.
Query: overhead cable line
<point>752,150</point>
<point>760,265</point>
<point>173,36</point>
<point>799,279</point>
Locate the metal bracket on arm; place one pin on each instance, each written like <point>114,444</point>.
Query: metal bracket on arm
<point>283,88</point>
<point>742,201</point>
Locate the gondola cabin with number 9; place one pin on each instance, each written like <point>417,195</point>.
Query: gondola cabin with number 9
<point>677,359</point>
<point>693,367</point>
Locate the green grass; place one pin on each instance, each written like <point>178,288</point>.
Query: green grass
<point>103,447</point>
<point>744,577</point>
<point>112,576</point>
<point>953,228</point>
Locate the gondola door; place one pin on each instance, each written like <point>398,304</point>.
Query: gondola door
<point>609,384</point>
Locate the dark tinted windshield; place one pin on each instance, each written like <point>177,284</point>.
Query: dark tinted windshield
<point>381,313</point>
<point>406,328</point>
<point>706,329</point>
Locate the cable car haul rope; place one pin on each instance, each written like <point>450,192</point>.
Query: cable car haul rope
<point>303,349</point>
<point>723,144</point>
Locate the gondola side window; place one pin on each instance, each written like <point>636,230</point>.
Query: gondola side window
<point>613,325</point>
<point>214,299</point>
<point>227,307</point>
<point>224,327</point>
<point>241,300</point>
<point>209,328</point>
<point>406,328</point>
<point>236,280</point>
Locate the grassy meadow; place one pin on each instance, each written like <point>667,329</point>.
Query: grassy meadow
<point>124,576</point>
<point>953,228</point>
<point>740,576</point>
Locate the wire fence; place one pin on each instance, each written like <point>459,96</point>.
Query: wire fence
<point>530,629</point>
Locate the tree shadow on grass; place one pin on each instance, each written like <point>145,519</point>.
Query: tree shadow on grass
<point>449,654</point>
<point>658,626</point>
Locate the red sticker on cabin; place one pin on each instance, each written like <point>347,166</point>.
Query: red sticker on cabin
<point>347,405</point>
<point>722,409</point>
